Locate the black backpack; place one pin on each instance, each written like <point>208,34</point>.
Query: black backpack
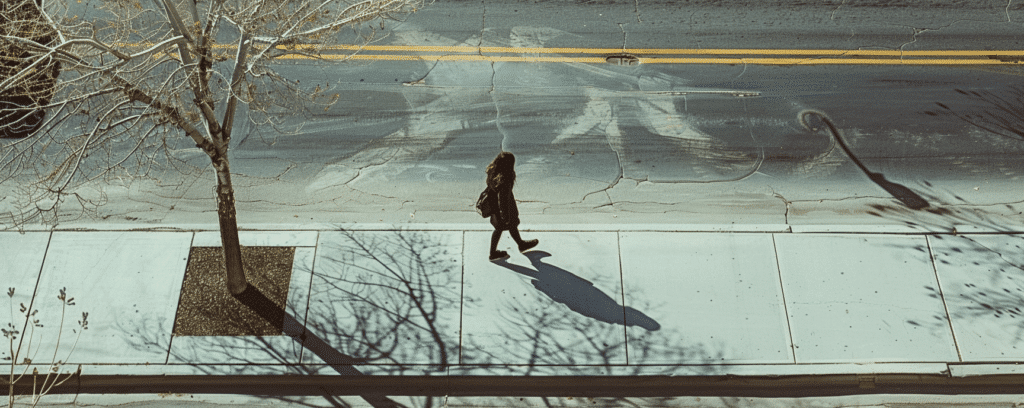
<point>487,204</point>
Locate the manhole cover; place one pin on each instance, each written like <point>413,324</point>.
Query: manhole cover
<point>623,59</point>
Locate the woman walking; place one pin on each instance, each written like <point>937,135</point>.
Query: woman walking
<point>501,176</point>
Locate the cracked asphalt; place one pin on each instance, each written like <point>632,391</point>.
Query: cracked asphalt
<point>601,143</point>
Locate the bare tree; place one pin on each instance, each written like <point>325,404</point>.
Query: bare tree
<point>140,80</point>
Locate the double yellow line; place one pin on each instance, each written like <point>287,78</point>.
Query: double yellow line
<point>653,55</point>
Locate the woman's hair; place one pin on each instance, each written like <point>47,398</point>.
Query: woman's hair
<point>502,170</point>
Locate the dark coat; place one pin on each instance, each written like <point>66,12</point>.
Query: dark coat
<point>507,216</point>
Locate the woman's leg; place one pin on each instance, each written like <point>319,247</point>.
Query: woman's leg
<point>515,236</point>
<point>523,245</point>
<point>495,236</point>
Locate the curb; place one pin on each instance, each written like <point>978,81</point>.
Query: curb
<point>483,226</point>
<point>619,386</point>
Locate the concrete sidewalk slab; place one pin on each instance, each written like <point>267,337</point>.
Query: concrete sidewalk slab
<point>981,283</point>
<point>21,260</point>
<point>259,238</point>
<point>971,370</point>
<point>234,354</point>
<point>243,354</point>
<point>557,310</point>
<point>719,294</point>
<point>129,282</point>
<point>582,303</point>
<point>859,298</point>
<point>389,298</point>
<point>534,225</point>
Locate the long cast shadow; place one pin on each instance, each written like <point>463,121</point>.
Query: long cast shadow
<point>898,191</point>
<point>343,364</point>
<point>579,294</point>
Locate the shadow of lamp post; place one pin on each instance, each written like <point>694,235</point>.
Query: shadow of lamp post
<point>900,192</point>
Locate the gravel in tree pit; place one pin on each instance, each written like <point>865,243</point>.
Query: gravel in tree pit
<point>207,308</point>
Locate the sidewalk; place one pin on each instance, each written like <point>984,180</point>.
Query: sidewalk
<point>585,302</point>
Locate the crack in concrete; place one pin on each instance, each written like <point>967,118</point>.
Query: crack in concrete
<point>368,193</point>
<point>744,70</point>
<point>483,29</point>
<point>623,36</point>
<point>674,203</point>
<point>617,206</point>
<point>178,199</point>
<point>785,201</point>
<point>616,144</point>
<point>291,165</point>
<point>974,206</point>
<point>423,79</point>
<point>833,16</point>
<point>691,28</point>
<point>497,108</point>
<point>612,126</point>
<point>998,253</point>
<point>497,112</point>
<point>919,31</point>
<point>494,98</point>
<point>610,201</point>
<point>750,126</point>
<point>822,200</point>
<point>971,205</point>
<point>636,9</point>
<point>843,54</point>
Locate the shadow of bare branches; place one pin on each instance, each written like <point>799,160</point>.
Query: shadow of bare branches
<point>993,113</point>
<point>390,298</point>
<point>1002,115</point>
<point>389,303</point>
<point>976,249</point>
<point>341,363</point>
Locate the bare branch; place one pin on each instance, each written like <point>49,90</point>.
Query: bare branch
<point>236,82</point>
<point>197,83</point>
<point>81,151</point>
<point>45,15</point>
<point>157,48</point>
<point>177,25</point>
<point>109,94</point>
<point>170,113</point>
<point>95,44</point>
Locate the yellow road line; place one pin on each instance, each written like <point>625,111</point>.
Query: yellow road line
<point>826,61</point>
<point>639,51</point>
<point>599,60</point>
<point>673,51</point>
<point>480,58</point>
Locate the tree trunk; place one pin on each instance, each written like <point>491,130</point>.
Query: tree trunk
<point>229,227</point>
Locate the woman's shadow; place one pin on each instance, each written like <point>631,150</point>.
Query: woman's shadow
<point>579,294</point>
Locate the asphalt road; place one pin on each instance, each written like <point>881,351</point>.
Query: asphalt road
<point>670,139</point>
